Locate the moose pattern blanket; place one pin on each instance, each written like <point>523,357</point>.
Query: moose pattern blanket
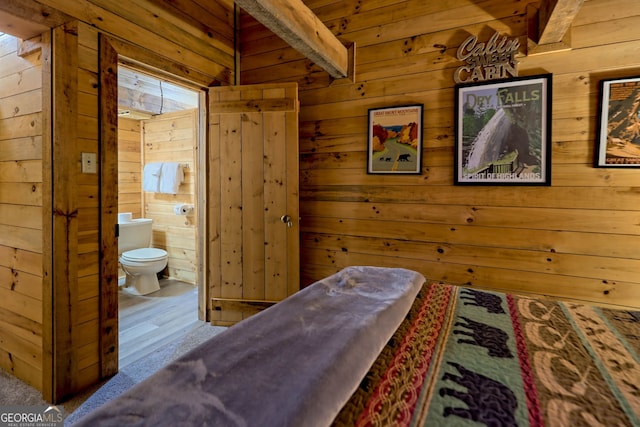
<point>468,357</point>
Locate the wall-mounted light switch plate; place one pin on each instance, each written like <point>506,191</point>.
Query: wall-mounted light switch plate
<point>89,163</point>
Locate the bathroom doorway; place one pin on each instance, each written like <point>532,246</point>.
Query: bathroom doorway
<point>159,124</point>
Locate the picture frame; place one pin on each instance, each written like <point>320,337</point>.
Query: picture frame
<point>503,132</point>
<point>394,143</point>
<point>618,143</point>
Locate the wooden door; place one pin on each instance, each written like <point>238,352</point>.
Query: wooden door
<point>253,232</point>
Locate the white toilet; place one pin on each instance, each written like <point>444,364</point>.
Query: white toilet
<point>140,263</point>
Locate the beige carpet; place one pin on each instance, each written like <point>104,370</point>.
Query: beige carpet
<point>15,392</point>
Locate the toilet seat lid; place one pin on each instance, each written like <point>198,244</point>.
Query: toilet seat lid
<point>144,254</point>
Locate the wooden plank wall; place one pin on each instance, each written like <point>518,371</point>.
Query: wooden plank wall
<point>577,239</point>
<point>173,137</point>
<point>21,212</point>
<point>129,171</point>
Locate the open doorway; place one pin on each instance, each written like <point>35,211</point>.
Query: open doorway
<point>158,127</point>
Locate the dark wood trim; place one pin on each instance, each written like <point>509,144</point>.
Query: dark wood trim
<point>245,306</point>
<point>47,220</point>
<point>108,146</point>
<point>144,59</point>
<point>65,210</point>
<point>113,52</point>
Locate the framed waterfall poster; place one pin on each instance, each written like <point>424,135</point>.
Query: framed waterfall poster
<point>395,140</point>
<point>503,132</point>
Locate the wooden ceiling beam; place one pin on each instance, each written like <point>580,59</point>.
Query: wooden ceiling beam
<point>296,24</point>
<point>549,25</point>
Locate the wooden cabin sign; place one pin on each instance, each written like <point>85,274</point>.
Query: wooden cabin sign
<point>492,60</point>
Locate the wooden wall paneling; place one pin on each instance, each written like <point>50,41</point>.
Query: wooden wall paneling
<point>26,103</point>
<point>21,171</point>
<point>20,260</point>
<point>22,148</point>
<point>576,265</point>
<point>174,137</point>
<point>26,81</point>
<point>87,351</point>
<point>21,328</point>
<point>17,61</point>
<point>216,17</point>
<point>129,172</point>
<point>544,234</point>
<point>598,291</point>
<point>216,65</point>
<point>402,43</point>
<point>22,126</point>
<point>364,28</point>
<point>21,238</point>
<point>87,346</point>
<point>21,211</point>
<point>149,15</point>
<point>375,61</point>
<point>22,216</point>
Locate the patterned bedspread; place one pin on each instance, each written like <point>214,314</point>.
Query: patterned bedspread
<point>467,357</point>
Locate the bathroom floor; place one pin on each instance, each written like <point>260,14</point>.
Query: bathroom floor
<point>148,322</point>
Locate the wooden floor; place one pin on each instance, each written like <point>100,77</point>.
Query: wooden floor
<point>151,321</point>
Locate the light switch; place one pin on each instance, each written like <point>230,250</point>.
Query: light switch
<point>89,163</point>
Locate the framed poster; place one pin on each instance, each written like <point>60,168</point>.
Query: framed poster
<point>619,124</point>
<point>503,131</point>
<point>395,140</point>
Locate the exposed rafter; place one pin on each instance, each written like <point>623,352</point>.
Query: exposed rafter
<point>549,25</point>
<point>144,95</point>
<point>296,24</point>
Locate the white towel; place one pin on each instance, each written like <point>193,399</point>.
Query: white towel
<point>171,177</point>
<point>151,177</point>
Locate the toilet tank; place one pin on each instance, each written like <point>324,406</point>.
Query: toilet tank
<point>133,233</point>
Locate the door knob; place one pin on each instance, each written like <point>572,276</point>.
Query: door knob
<point>287,220</point>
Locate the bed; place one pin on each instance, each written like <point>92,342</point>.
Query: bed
<point>374,346</point>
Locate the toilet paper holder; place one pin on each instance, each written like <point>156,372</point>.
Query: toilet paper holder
<point>182,209</point>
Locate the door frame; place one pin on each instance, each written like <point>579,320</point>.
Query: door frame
<point>113,52</point>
